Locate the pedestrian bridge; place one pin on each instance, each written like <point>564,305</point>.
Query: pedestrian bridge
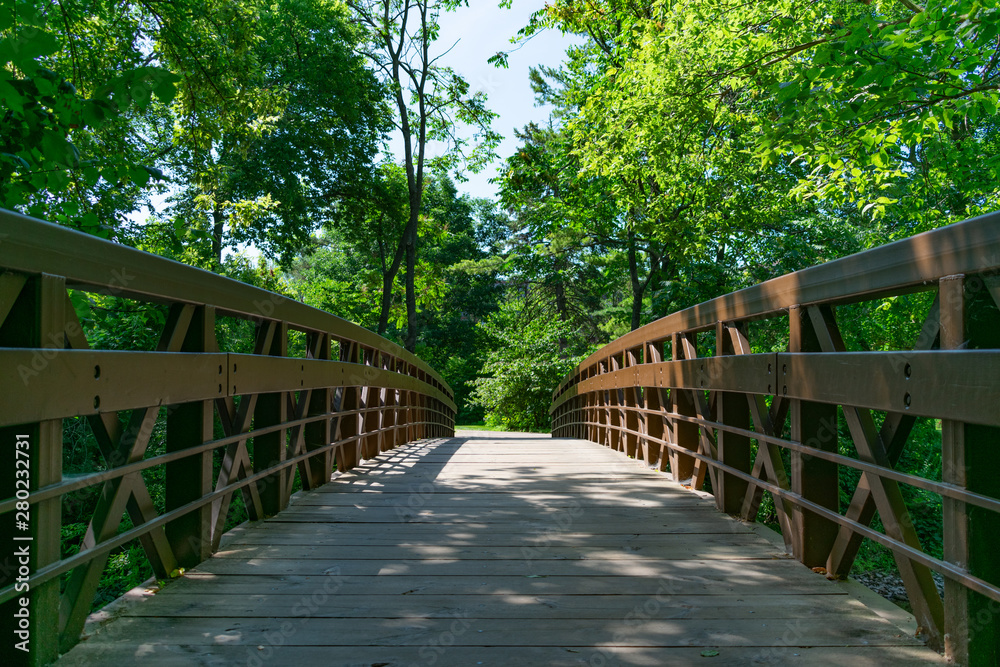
<point>380,536</point>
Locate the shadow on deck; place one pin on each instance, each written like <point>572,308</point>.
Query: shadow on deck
<point>503,549</point>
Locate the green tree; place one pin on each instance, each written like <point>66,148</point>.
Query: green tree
<point>521,371</point>
<point>429,99</point>
<point>276,175</point>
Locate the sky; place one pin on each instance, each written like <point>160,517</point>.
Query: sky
<point>482,29</point>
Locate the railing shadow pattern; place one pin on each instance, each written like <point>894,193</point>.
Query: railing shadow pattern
<point>704,408</point>
<point>349,397</point>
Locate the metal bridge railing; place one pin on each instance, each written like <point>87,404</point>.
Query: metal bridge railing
<point>234,422</point>
<point>687,393</point>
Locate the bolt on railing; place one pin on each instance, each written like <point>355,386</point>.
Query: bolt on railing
<point>687,393</point>
<point>254,422</point>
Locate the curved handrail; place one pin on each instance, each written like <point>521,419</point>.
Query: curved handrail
<point>747,423</point>
<point>352,396</point>
<point>908,265</point>
<point>87,262</point>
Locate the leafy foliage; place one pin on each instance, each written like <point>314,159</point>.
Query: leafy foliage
<point>521,371</point>
<point>52,129</point>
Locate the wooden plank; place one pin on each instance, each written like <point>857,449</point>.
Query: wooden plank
<point>486,583</point>
<point>628,543</point>
<point>608,607</point>
<point>288,653</point>
<point>403,513</point>
<point>551,535</point>
<point>496,564</point>
<point>944,384</point>
<point>349,528</point>
<point>730,549</point>
<point>313,631</point>
<point>707,572</point>
<point>259,374</point>
<point>551,501</point>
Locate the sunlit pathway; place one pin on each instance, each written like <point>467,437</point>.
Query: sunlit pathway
<point>503,549</point>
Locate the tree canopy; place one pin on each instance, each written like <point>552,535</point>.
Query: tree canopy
<point>690,148</point>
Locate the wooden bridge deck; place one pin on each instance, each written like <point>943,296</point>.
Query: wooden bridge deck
<point>502,549</point>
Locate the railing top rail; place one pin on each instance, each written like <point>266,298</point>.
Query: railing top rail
<point>911,264</point>
<point>31,246</point>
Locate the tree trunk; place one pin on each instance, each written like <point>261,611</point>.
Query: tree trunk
<point>388,278</point>
<point>383,316</point>
<point>411,291</point>
<point>218,227</point>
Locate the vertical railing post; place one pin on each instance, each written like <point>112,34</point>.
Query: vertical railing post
<point>421,416</point>
<point>970,319</point>
<point>403,418</point>
<point>603,420</point>
<point>190,478</point>
<point>657,399</point>
<point>380,396</point>
<point>613,413</point>
<point>399,418</point>
<point>406,415</point>
<point>388,398</point>
<point>270,449</point>
<point>733,448</point>
<point>629,404</point>
<point>347,454</point>
<point>370,404</point>
<point>439,418</point>
<point>391,413</point>
<point>36,319</point>
<point>686,434</point>
<point>318,434</point>
<point>432,417</point>
<point>814,425</point>
<point>575,426</point>
<point>579,413</point>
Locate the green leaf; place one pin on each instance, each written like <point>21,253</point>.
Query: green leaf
<point>11,96</point>
<point>91,175</point>
<point>44,86</point>
<point>57,181</point>
<point>90,222</point>
<point>139,175</point>
<point>55,148</point>
<point>164,86</point>
<point>788,90</point>
<point>709,653</point>
<point>30,44</point>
